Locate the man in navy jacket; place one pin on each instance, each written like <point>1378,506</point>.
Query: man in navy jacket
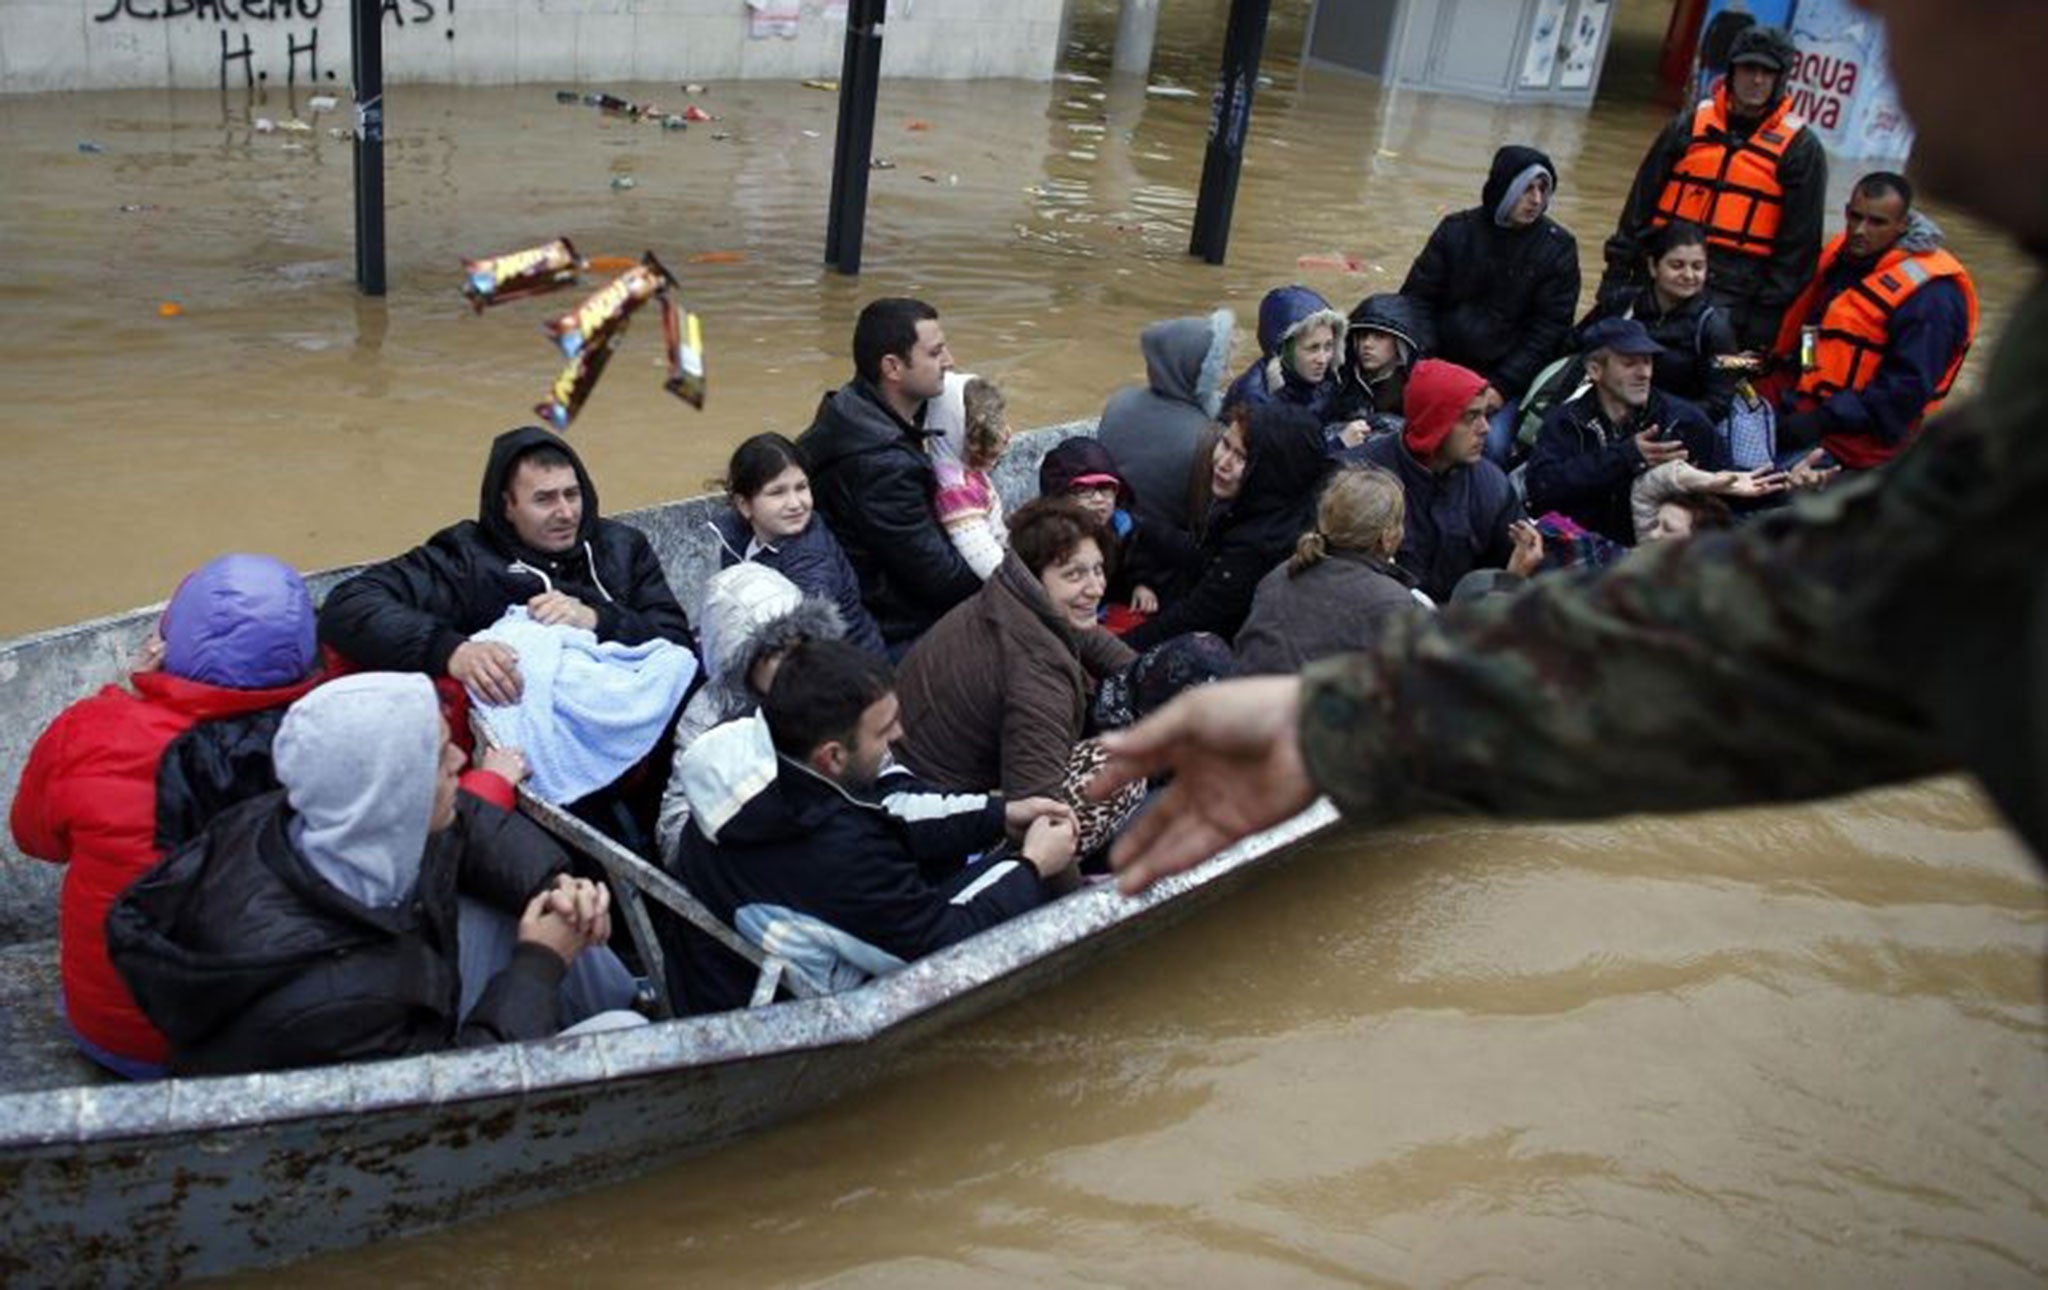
<point>799,841</point>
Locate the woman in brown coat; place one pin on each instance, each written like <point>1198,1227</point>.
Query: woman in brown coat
<point>995,696</point>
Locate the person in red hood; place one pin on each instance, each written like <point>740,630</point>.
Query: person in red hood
<point>121,776</point>
<point>1463,513</point>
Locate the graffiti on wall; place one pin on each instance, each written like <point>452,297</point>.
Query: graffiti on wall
<point>258,37</point>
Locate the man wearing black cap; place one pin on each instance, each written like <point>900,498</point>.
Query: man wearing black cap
<point>1592,447</point>
<point>1744,167</point>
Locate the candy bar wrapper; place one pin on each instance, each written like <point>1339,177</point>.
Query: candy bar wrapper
<point>499,278</point>
<point>573,386</point>
<point>684,336</point>
<point>605,313</point>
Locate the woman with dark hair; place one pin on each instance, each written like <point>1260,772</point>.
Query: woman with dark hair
<point>1262,481</point>
<point>1697,335</point>
<point>772,522</point>
<point>995,696</point>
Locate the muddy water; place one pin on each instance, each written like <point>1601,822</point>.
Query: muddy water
<point>1765,1048</point>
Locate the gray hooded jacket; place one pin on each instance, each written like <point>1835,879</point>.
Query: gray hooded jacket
<point>1152,430</point>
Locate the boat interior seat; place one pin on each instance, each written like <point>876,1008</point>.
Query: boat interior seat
<point>36,1052</point>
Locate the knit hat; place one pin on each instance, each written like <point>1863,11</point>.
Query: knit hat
<point>244,622</point>
<point>1437,395</point>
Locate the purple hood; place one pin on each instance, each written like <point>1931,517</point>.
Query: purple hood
<point>244,622</point>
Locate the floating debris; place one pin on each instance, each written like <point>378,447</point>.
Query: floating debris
<point>264,125</point>
<point>1169,91</point>
<point>693,88</point>
<point>673,122</point>
<point>292,125</point>
<point>340,132</point>
<point>718,257</point>
<point>87,145</point>
<point>820,83</point>
<point>915,125</point>
<point>322,103</point>
<point>695,113</point>
<point>170,309</point>
<point>1341,263</point>
<point>568,96</point>
<point>139,208</point>
<point>620,183</point>
<point>812,134</point>
<point>881,163</point>
<point>721,136</point>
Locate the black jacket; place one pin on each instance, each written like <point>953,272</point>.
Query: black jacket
<point>410,613</point>
<point>816,864</point>
<point>873,482</point>
<point>1501,299</point>
<point>1756,289</point>
<point>1149,550</point>
<point>248,960</point>
<point>1381,401</point>
<point>1457,521</point>
<point>1251,533</point>
<point>1693,336</point>
<point>1585,466</point>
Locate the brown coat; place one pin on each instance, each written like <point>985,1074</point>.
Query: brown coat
<point>994,696</point>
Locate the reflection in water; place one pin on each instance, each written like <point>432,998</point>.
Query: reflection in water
<point>1637,1053</point>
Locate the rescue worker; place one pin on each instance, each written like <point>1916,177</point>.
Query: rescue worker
<point>1747,169</point>
<point>1889,628</point>
<point>1890,316</point>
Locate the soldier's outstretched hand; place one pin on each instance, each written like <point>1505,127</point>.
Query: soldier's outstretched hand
<point>1231,748</point>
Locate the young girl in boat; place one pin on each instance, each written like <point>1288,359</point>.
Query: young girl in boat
<point>772,523</point>
<point>971,430</point>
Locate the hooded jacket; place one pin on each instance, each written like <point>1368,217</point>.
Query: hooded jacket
<point>846,885</point>
<point>814,561</point>
<point>1149,553</point>
<point>123,775</point>
<point>873,481</point>
<point>1248,535</point>
<point>750,612</point>
<point>317,924</point>
<point>1152,430</point>
<point>1284,314</point>
<point>1379,400</point>
<point>1457,521</point>
<point>1756,289</point>
<point>996,695</point>
<point>410,613</point>
<point>1501,298</point>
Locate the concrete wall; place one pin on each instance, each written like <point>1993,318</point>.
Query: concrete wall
<point>203,44</point>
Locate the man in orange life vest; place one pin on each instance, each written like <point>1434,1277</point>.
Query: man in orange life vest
<point>1889,315</point>
<point>1744,167</point>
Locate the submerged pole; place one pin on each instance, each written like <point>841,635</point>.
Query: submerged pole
<point>367,61</point>
<point>1230,113</point>
<point>859,81</point>
<point>1137,23</point>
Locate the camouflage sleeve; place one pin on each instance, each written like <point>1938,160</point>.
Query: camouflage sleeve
<point>1737,667</point>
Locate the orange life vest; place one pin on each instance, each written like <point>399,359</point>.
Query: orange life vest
<point>1854,330</point>
<point>1730,187</point>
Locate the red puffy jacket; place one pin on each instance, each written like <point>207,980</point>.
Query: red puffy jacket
<point>88,798</point>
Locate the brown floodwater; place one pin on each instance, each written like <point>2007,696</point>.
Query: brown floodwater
<point>1779,1047</point>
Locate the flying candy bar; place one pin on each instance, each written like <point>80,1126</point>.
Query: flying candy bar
<point>605,313</point>
<point>566,397</point>
<point>684,337</point>
<point>499,278</point>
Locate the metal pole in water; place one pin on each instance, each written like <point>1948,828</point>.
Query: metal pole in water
<point>367,60</point>
<point>859,80</point>
<point>1230,112</point>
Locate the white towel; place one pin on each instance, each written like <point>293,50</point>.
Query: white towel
<point>588,709</point>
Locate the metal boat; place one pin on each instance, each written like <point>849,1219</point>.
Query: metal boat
<point>110,1183</point>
